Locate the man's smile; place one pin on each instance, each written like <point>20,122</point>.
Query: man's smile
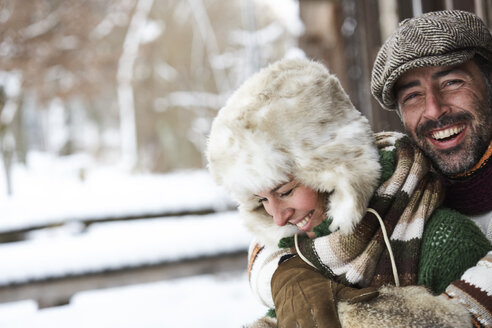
<point>446,133</point>
<point>448,137</point>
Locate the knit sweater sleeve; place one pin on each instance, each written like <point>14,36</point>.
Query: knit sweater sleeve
<point>263,261</point>
<point>457,259</point>
<point>451,244</point>
<point>474,291</point>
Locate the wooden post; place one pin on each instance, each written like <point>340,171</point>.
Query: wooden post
<point>322,39</point>
<point>405,9</point>
<point>464,5</point>
<point>483,8</point>
<point>363,43</point>
<point>432,5</point>
<point>346,36</point>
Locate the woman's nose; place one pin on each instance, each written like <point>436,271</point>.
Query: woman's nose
<point>281,214</point>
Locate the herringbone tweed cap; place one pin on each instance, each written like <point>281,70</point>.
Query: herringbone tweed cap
<point>438,38</point>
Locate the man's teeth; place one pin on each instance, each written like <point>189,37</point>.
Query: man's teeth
<point>303,222</point>
<point>446,133</point>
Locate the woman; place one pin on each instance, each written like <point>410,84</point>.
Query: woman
<point>297,156</point>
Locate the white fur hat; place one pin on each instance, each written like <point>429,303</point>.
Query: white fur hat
<point>293,119</point>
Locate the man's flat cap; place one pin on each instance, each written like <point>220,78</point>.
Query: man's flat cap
<point>440,38</point>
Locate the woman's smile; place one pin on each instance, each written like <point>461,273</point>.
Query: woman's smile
<point>304,222</point>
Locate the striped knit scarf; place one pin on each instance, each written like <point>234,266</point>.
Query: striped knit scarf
<point>405,200</point>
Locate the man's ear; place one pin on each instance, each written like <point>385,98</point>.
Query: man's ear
<point>395,96</point>
<point>398,112</point>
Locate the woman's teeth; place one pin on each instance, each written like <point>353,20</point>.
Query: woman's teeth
<point>446,133</point>
<point>301,224</point>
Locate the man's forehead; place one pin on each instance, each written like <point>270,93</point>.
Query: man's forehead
<point>433,72</point>
<point>420,71</point>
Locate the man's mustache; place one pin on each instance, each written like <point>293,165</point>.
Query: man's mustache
<point>450,119</point>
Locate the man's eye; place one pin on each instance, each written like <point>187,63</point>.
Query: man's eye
<point>262,200</point>
<point>452,83</point>
<point>409,97</point>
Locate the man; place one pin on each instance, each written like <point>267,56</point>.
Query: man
<point>435,72</point>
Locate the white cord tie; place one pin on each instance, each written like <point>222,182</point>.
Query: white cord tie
<point>387,242</point>
<point>300,254</point>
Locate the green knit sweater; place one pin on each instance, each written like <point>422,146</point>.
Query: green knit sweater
<point>451,244</point>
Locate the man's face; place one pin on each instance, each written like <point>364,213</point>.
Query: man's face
<point>447,111</point>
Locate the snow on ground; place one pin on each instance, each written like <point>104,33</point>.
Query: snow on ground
<point>213,301</point>
<point>49,190</point>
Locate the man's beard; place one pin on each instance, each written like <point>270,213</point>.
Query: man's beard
<point>464,156</point>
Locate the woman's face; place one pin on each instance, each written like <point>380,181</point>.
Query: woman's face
<point>294,203</point>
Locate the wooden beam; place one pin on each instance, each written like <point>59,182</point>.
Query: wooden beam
<point>19,233</point>
<point>58,291</point>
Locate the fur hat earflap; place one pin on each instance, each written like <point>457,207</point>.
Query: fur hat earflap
<point>293,119</point>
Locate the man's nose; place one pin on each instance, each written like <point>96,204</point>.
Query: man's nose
<point>435,106</point>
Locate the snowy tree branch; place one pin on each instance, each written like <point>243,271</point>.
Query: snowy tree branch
<point>211,44</point>
<point>124,78</point>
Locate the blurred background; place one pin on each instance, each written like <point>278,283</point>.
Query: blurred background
<point>108,217</point>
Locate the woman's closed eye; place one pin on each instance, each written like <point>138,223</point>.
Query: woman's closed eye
<point>287,193</point>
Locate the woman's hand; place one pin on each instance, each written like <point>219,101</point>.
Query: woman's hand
<point>305,298</point>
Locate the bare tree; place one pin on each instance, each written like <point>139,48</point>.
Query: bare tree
<point>146,77</point>
<point>128,130</point>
